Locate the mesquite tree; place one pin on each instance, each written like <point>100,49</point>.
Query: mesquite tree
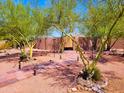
<point>99,19</point>
<point>21,24</point>
<point>102,21</point>
<point>98,23</point>
<point>63,17</point>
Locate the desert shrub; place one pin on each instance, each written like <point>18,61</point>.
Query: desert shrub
<point>97,74</point>
<point>93,74</point>
<point>5,45</point>
<point>23,56</point>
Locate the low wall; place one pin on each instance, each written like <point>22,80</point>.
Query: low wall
<point>54,43</point>
<point>119,44</point>
<point>86,44</point>
<point>48,44</point>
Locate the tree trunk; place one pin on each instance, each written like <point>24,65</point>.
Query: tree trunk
<point>45,43</point>
<point>108,45</point>
<point>31,52</point>
<point>62,44</point>
<point>94,43</point>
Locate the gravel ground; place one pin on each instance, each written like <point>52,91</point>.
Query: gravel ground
<point>50,83</point>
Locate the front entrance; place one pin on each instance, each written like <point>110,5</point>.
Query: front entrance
<point>68,48</point>
<point>68,43</point>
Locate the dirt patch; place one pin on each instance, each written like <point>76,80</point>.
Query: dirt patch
<point>57,78</point>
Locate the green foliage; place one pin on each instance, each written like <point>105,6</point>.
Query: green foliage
<point>100,18</point>
<point>23,56</point>
<point>22,24</point>
<point>93,74</point>
<point>5,45</point>
<point>97,74</point>
<point>62,16</point>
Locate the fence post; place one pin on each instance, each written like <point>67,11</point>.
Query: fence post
<point>35,70</point>
<point>77,58</point>
<point>60,56</point>
<point>45,43</point>
<point>19,65</point>
<point>54,47</point>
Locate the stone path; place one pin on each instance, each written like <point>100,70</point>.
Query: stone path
<point>27,72</point>
<point>14,76</point>
<point>17,75</point>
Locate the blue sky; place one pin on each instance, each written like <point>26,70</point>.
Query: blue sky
<point>45,3</point>
<point>41,3</point>
<point>80,9</point>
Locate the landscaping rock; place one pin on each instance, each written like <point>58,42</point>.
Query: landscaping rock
<point>74,89</point>
<point>85,88</point>
<point>89,85</point>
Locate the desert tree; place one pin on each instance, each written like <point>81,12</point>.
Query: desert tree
<point>20,24</point>
<point>104,23</point>
<point>63,17</point>
<point>100,24</point>
<point>100,17</point>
